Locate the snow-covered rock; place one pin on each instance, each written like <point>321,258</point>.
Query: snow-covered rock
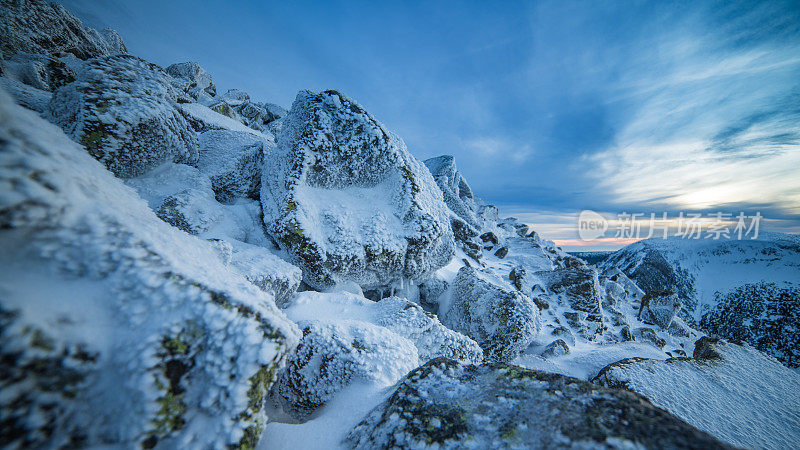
<point>346,199</point>
<point>502,320</point>
<point>27,96</point>
<point>38,26</point>
<point>266,270</point>
<point>457,193</point>
<point>727,286</point>
<point>202,118</point>
<point>579,290</point>
<point>121,108</point>
<point>192,80</point>
<point>182,196</point>
<point>731,391</point>
<point>444,405</point>
<point>331,356</point>
<point>117,329</point>
<point>39,71</point>
<point>233,161</point>
<point>659,308</point>
<point>401,316</point>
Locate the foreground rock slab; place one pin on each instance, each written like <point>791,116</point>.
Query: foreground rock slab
<point>444,404</point>
<point>731,391</point>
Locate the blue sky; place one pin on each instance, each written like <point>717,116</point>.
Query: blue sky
<point>549,107</point>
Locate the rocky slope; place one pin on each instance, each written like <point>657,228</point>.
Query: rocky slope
<point>185,268</point>
<point>738,289</point>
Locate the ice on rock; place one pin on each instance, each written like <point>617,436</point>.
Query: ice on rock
<point>403,317</point>
<point>233,161</point>
<point>119,330</point>
<point>41,27</point>
<point>27,96</point>
<point>448,405</point>
<point>331,356</point>
<point>659,308</point>
<point>266,270</point>
<point>457,193</point>
<point>502,320</point>
<point>346,199</point>
<point>192,80</point>
<point>39,71</point>
<point>732,391</point>
<point>121,109</point>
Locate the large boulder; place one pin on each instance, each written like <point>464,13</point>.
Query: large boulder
<point>121,108</point>
<point>38,26</point>
<point>731,391</point>
<point>348,202</point>
<point>579,290</point>
<point>502,320</point>
<point>117,329</point>
<point>444,404</point>
<point>331,356</point>
<point>192,80</point>
<point>233,161</point>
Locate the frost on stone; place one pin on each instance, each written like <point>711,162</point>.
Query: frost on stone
<point>448,405</point>
<point>192,80</point>
<point>457,193</point>
<point>121,109</point>
<point>39,71</point>
<point>233,161</point>
<point>182,196</point>
<point>402,317</point>
<point>346,199</point>
<point>502,320</point>
<point>202,118</point>
<point>659,308</point>
<point>27,96</point>
<point>117,329</point>
<point>266,270</point>
<point>732,391</point>
<point>38,26</point>
<point>331,356</point>
<point>579,290</point>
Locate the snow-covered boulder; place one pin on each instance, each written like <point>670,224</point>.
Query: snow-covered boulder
<point>348,201</point>
<point>331,356</point>
<point>235,97</point>
<point>182,196</point>
<point>446,405</point>
<point>42,27</point>
<point>580,288</point>
<point>233,161</point>
<point>121,108</point>
<point>192,80</point>
<point>117,329</point>
<point>457,193</point>
<point>502,320</point>
<point>265,270</point>
<point>201,118</point>
<point>27,96</point>
<point>259,115</point>
<point>38,71</point>
<point>401,316</point>
<point>732,391</point>
<point>659,308</point>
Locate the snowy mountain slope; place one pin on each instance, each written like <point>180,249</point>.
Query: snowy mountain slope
<point>146,312</point>
<point>725,285</point>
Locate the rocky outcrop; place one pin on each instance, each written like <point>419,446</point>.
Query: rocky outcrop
<point>732,391</point>
<point>39,71</point>
<point>121,109</point>
<point>445,404</point>
<point>457,193</point>
<point>503,321</point>
<point>348,202</point>
<point>117,329</point>
<point>45,28</point>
